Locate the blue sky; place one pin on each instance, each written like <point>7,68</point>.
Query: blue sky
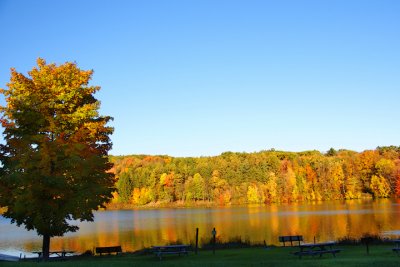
<point>197,78</point>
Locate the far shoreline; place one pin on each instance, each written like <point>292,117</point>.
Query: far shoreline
<point>209,204</point>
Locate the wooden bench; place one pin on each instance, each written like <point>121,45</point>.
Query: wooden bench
<point>291,239</point>
<point>108,250</point>
<point>159,251</point>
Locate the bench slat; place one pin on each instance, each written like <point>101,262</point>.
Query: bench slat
<point>291,239</point>
<point>317,252</point>
<point>173,249</point>
<point>172,252</point>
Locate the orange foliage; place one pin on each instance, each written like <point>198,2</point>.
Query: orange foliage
<point>311,174</point>
<point>397,190</point>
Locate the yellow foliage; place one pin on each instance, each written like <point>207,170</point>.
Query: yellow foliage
<point>142,196</point>
<point>115,197</point>
<point>380,186</point>
<point>252,195</point>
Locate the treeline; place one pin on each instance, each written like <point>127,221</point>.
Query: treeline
<point>262,177</point>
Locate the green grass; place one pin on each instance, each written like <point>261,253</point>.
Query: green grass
<point>381,255</point>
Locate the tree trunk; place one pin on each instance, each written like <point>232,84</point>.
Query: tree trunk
<point>46,247</point>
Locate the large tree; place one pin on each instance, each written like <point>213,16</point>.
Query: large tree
<point>54,158</point>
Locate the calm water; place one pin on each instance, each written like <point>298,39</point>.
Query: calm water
<point>135,229</point>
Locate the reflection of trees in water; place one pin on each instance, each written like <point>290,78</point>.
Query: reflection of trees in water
<point>324,220</point>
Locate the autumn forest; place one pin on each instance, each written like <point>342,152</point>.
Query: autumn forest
<point>262,177</point>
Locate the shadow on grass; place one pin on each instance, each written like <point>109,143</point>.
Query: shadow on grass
<point>365,239</point>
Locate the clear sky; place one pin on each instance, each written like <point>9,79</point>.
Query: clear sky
<point>198,77</point>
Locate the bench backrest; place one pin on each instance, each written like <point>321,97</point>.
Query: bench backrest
<point>290,238</point>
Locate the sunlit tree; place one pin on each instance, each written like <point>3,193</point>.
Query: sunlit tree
<point>253,196</point>
<point>380,186</point>
<point>55,157</point>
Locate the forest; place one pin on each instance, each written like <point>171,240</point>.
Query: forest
<point>262,177</point>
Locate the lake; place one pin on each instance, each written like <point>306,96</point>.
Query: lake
<point>135,229</point>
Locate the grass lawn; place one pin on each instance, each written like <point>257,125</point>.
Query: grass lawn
<point>380,255</point>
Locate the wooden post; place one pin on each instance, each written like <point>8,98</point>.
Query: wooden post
<point>197,241</point>
<point>214,233</point>
<point>314,240</point>
<point>366,240</point>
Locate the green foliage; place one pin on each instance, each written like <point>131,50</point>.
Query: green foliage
<point>55,157</point>
<point>331,152</point>
<point>125,187</point>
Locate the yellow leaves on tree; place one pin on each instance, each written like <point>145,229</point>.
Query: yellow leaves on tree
<point>380,186</point>
<point>56,149</point>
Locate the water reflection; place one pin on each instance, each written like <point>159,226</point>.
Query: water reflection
<point>135,229</point>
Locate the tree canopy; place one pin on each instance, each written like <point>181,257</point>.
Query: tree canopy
<point>55,165</point>
<point>261,177</point>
